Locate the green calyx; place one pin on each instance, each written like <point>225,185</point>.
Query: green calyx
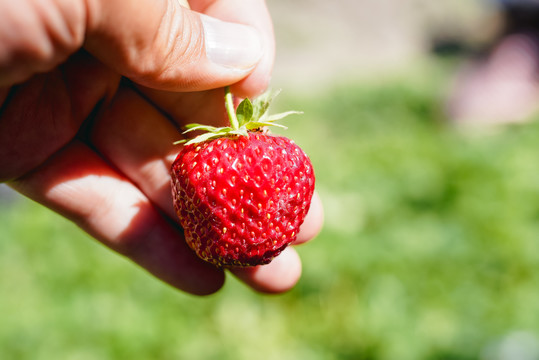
<point>248,116</point>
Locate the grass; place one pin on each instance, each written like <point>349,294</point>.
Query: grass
<point>429,251</point>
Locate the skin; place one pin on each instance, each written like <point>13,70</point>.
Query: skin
<point>81,139</point>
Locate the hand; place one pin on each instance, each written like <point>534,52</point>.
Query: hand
<point>82,140</point>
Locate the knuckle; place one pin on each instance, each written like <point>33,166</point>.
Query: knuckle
<point>175,46</point>
<point>37,37</point>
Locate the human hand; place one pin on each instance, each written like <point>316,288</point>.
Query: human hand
<point>83,141</point>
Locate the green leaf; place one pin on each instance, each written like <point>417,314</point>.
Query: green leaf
<point>241,132</point>
<point>262,103</point>
<point>194,127</point>
<point>275,117</point>
<point>203,137</point>
<point>258,124</point>
<point>244,112</point>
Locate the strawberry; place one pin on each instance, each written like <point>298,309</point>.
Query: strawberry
<point>240,193</point>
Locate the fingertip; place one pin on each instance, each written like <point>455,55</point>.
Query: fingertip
<point>253,85</point>
<point>279,276</point>
<point>312,225</point>
<point>207,283</point>
<point>259,79</point>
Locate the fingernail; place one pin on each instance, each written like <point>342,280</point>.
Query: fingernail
<point>231,45</point>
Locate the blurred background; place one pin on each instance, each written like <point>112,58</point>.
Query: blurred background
<point>431,243</point>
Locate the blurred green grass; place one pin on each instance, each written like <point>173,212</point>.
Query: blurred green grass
<point>430,251</point>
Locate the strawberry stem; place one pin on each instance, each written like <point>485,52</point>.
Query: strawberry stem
<point>229,104</point>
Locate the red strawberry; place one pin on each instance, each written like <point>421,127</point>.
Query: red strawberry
<point>241,195</point>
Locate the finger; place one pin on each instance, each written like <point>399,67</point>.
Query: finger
<point>82,187</point>
<point>313,221</point>
<point>201,107</point>
<point>278,276</point>
<point>161,44</point>
<point>255,14</point>
<point>36,36</point>
<point>138,140</point>
<point>45,113</point>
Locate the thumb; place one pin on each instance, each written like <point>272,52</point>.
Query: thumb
<point>163,45</point>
